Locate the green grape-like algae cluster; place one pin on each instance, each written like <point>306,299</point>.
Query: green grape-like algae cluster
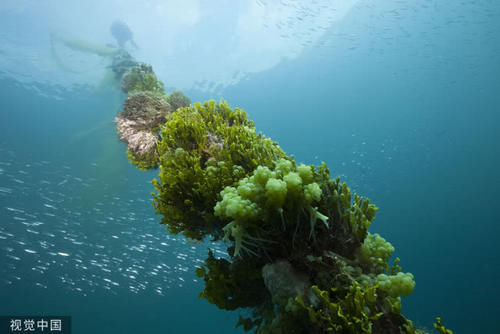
<point>300,257</point>
<point>295,219</point>
<point>266,197</point>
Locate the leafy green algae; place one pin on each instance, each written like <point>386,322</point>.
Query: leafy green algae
<point>141,78</point>
<point>204,148</point>
<point>300,257</point>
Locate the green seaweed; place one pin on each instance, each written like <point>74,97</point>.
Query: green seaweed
<point>352,313</point>
<point>141,78</point>
<point>178,99</point>
<point>231,285</point>
<point>300,258</point>
<point>143,162</point>
<point>440,327</point>
<point>204,148</point>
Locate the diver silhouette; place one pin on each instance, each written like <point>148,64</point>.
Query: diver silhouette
<point>122,33</point>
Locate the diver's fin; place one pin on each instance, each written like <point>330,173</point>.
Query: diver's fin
<point>84,46</point>
<point>80,46</point>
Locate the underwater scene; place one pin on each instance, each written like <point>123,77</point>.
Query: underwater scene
<point>250,166</point>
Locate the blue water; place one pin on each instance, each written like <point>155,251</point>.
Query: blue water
<point>399,99</point>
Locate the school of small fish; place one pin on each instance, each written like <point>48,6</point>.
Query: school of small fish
<point>50,237</point>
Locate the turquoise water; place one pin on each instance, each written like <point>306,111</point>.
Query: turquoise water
<point>401,100</point>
